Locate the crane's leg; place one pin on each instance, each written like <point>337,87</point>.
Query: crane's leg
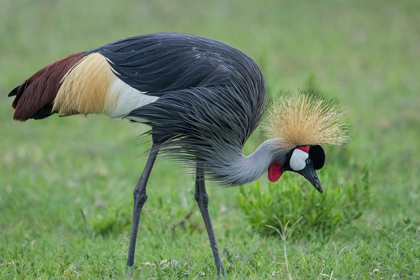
<point>140,198</point>
<point>202,199</point>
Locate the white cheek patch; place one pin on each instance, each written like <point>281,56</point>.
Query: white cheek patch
<point>298,160</point>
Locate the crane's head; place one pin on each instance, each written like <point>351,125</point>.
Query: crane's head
<point>299,124</point>
<point>304,160</point>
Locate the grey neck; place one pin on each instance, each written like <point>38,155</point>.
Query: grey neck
<point>245,169</point>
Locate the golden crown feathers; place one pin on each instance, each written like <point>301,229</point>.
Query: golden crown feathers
<point>301,119</point>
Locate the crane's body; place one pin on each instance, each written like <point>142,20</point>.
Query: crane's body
<point>201,98</point>
<point>183,86</point>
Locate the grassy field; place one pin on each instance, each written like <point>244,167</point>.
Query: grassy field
<point>365,54</point>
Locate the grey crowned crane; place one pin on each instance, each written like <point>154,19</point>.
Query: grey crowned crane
<point>202,100</point>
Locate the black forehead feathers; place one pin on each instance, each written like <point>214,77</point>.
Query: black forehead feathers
<point>317,155</point>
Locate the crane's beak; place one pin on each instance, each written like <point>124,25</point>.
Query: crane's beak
<point>310,174</point>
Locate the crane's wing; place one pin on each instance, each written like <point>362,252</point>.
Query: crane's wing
<point>159,74</point>
<point>202,98</point>
<point>159,63</point>
<point>118,77</point>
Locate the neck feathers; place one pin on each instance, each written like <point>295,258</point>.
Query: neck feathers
<point>238,169</point>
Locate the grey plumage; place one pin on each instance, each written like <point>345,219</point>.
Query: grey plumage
<point>212,97</point>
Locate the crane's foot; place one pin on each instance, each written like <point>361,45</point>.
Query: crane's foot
<point>220,268</point>
<point>129,270</point>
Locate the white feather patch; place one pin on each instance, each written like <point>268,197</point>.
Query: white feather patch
<point>298,160</point>
<point>121,99</point>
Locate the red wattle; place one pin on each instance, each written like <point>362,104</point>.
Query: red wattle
<point>274,172</point>
<point>304,148</point>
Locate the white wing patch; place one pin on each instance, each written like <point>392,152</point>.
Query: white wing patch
<point>122,99</point>
<point>91,86</point>
<point>298,160</point>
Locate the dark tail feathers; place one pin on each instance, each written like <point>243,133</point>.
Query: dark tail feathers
<point>35,96</point>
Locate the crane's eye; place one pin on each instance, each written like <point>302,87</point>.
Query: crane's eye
<point>308,161</point>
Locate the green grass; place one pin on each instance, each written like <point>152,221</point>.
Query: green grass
<point>365,54</point>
